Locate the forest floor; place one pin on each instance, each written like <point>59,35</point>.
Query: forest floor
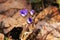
<point>13,26</point>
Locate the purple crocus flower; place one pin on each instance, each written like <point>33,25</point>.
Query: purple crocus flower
<point>24,12</point>
<point>32,12</point>
<point>29,20</point>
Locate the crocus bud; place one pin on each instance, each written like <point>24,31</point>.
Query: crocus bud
<point>32,12</point>
<point>24,12</point>
<point>29,20</point>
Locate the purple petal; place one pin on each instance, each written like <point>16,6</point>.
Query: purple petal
<point>32,12</point>
<point>29,20</point>
<point>24,12</point>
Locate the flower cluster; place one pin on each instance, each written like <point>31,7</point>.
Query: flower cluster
<point>24,12</point>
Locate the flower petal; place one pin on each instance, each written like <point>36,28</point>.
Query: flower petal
<point>32,12</point>
<point>24,12</point>
<point>29,20</point>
